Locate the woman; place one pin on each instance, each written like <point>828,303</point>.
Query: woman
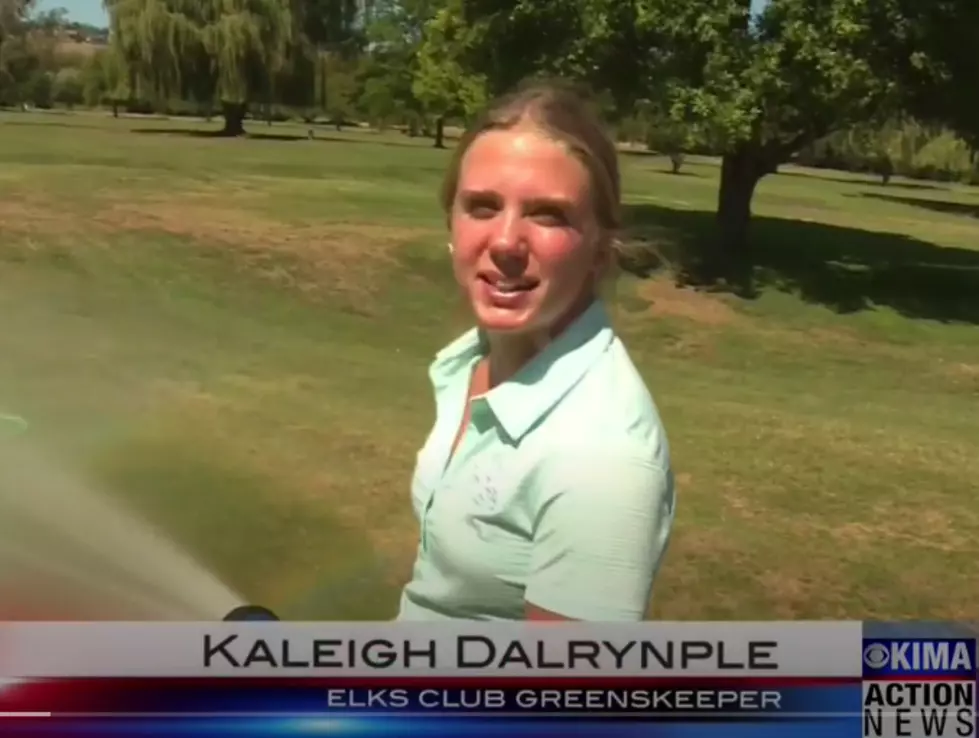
<point>544,490</point>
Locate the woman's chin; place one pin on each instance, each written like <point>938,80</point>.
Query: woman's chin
<point>501,320</point>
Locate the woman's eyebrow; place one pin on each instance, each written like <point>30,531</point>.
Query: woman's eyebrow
<point>557,202</point>
<point>479,194</point>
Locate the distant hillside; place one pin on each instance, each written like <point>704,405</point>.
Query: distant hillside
<point>84,33</point>
<point>54,21</point>
<point>80,40</point>
<point>78,49</point>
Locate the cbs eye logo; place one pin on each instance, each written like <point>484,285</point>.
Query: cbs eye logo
<point>876,656</point>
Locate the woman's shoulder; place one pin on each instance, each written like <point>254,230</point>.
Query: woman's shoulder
<point>604,437</point>
<point>625,470</point>
<point>612,407</point>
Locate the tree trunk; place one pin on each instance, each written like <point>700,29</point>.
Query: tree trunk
<point>730,255</point>
<point>322,83</point>
<point>676,162</point>
<point>885,168</point>
<point>440,132</point>
<point>234,119</point>
<point>115,110</point>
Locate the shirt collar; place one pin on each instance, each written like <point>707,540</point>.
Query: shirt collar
<point>519,403</point>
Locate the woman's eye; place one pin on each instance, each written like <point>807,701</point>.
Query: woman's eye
<point>550,217</point>
<point>480,206</point>
<point>482,211</point>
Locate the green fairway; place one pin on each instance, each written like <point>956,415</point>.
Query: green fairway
<point>234,335</point>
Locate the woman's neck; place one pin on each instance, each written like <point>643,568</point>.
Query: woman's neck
<point>510,352</point>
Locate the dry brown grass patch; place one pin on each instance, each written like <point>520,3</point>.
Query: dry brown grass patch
<point>666,299</point>
<point>28,216</point>
<point>690,568</point>
<point>790,593</point>
<point>833,337</point>
<point>922,528</point>
<point>235,227</point>
<point>961,374</point>
<point>691,345</point>
<point>947,598</point>
<point>969,371</point>
<point>738,503</point>
<point>313,257</point>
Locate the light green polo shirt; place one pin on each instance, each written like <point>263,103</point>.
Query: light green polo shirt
<point>560,493</point>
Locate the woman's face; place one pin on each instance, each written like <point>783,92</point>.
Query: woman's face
<point>524,233</point>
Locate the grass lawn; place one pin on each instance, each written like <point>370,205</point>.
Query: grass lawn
<point>233,334</point>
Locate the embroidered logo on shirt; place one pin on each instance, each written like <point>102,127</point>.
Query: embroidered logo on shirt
<point>485,493</point>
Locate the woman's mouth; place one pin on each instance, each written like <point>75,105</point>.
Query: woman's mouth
<point>506,293</point>
<point>509,286</point>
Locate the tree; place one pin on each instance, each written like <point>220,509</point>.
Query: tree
<point>14,20</point>
<point>384,79</point>
<point>235,47</point>
<point>18,60</point>
<point>601,43</point>
<point>931,48</point>
<point>94,84</point>
<point>334,35</point>
<point>398,25</point>
<point>757,87</point>
<point>38,89</point>
<point>439,81</point>
<point>67,87</point>
<point>338,88</point>
<point>669,136</point>
<point>294,83</point>
<point>760,88</point>
<point>333,24</point>
<point>104,80</point>
<point>395,31</point>
<point>18,64</point>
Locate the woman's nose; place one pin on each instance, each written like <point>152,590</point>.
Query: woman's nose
<point>507,240</point>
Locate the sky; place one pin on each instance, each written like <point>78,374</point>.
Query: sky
<point>82,11</point>
<point>91,11</point>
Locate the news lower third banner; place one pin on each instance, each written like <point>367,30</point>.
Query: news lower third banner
<point>731,680</point>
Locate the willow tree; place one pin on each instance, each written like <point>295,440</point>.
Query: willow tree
<point>18,57</point>
<point>335,30</point>
<point>235,48</point>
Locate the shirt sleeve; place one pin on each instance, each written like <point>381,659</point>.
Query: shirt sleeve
<point>599,536</point>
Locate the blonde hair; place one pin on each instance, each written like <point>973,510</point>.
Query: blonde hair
<point>564,115</point>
